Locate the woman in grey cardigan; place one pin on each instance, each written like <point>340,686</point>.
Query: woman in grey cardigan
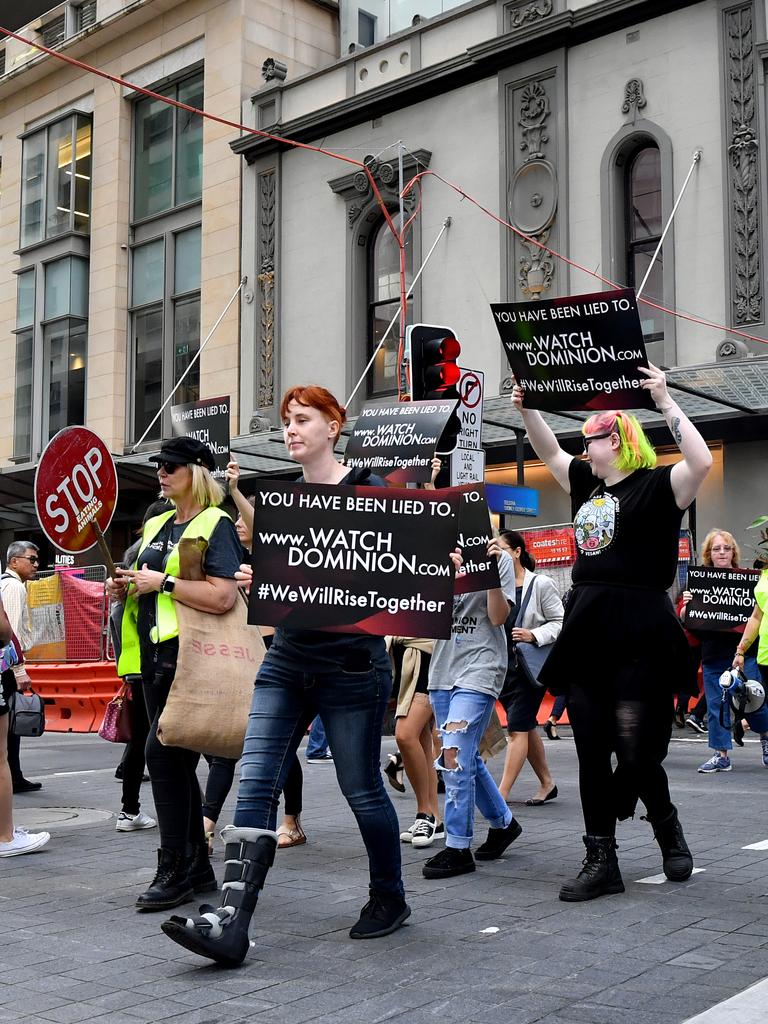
<point>537,619</point>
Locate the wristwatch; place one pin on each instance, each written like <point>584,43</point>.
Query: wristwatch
<point>169,582</point>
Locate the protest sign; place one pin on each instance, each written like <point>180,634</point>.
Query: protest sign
<point>577,352</point>
<point>76,491</point>
<point>206,421</point>
<point>398,441</point>
<point>722,598</point>
<point>354,559</point>
<point>479,571</point>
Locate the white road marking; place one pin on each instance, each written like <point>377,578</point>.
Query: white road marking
<point>748,1007</point>
<point>762,845</point>
<point>659,879</point>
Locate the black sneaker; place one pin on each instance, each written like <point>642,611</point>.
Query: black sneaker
<point>498,840</point>
<point>382,914</point>
<point>25,786</point>
<point>449,862</point>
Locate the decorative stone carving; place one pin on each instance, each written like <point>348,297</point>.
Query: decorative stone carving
<point>533,192</point>
<point>634,98</point>
<point>356,189</point>
<point>266,279</point>
<point>534,111</point>
<point>527,13</point>
<point>743,175</point>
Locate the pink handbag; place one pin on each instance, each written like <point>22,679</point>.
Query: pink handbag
<point>116,726</point>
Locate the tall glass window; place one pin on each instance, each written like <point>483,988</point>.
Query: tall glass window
<point>643,227</point>
<point>383,303</point>
<point>165,316</point>
<point>25,333</point>
<point>65,333</point>
<point>56,180</point>
<point>168,151</point>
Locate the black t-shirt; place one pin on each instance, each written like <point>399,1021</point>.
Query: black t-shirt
<point>316,651</point>
<point>221,558</point>
<point>626,533</point>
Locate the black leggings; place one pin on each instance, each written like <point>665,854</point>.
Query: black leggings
<point>173,773</point>
<point>221,772</point>
<point>133,757</point>
<point>638,732</point>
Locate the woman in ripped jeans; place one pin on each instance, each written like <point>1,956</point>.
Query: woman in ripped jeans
<point>465,678</point>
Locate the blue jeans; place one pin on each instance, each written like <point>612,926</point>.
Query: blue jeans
<point>720,737</point>
<point>317,744</point>
<point>351,704</point>
<point>470,782</point>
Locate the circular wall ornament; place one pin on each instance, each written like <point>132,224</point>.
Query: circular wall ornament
<point>533,196</point>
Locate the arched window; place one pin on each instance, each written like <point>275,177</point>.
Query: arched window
<point>643,225</point>
<point>383,303</point>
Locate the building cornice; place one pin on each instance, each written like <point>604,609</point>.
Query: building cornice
<point>570,28</point>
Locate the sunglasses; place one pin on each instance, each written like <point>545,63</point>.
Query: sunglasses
<point>725,547</point>
<point>593,437</point>
<point>169,467</point>
<point>30,558</point>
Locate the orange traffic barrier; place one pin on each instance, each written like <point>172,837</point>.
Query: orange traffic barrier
<point>75,693</point>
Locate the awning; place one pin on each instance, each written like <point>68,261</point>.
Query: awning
<point>726,400</point>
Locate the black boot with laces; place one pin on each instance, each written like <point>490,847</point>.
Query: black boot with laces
<point>599,876</point>
<point>677,858</point>
<point>171,885</point>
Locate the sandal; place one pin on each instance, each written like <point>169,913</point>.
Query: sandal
<point>394,772</point>
<point>288,837</point>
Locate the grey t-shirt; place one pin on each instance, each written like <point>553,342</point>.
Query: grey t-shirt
<point>475,658</point>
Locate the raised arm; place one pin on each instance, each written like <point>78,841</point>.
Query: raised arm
<point>244,507</point>
<point>687,476</point>
<point>543,441</point>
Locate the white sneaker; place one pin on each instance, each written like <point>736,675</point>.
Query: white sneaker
<point>424,829</point>
<point>133,822</point>
<point>24,842</point>
<point>407,836</point>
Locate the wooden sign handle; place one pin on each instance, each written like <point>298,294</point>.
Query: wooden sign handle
<point>104,549</point>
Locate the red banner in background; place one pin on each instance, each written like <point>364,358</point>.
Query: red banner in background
<point>551,545</point>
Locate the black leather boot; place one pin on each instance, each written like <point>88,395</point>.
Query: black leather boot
<point>200,872</point>
<point>599,875</point>
<point>221,934</point>
<point>678,861</point>
<point>171,885</point>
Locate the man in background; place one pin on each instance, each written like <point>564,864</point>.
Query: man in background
<point>22,560</point>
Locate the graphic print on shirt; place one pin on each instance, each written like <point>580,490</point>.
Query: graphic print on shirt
<point>462,624</point>
<point>595,524</point>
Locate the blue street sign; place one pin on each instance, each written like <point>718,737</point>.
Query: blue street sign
<point>512,501</point>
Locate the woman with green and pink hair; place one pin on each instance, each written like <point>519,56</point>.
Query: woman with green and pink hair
<point>621,649</point>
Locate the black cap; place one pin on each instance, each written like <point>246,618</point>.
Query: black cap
<point>185,451</point>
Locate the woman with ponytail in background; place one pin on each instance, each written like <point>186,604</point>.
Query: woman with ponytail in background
<point>536,619</point>
<point>622,649</point>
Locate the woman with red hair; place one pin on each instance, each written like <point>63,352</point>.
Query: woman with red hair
<point>344,677</point>
<point>621,649</point>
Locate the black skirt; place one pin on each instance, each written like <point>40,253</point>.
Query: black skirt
<point>621,639</point>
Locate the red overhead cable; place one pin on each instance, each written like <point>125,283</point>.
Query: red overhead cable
<point>416,180</point>
<point>399,236</point>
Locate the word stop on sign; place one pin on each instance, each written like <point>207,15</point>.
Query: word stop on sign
<point>76,494</point>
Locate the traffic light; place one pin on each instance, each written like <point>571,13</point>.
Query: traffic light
<point>435,373</point>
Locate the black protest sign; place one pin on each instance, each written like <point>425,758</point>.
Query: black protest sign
<point>722,598</point>
<point>581,352</point>
<point>206,421</point>
<point>398,441</point>
<point>479,571</point>
<point>354,559</point>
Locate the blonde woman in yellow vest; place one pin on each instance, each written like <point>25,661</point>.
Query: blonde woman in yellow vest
<point>150,643</point>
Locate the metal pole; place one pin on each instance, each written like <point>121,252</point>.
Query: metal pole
<point>393,321</point>
<point>696,158</point>
<point>197,355</point>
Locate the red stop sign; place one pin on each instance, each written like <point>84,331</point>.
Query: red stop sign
<point>75,486</point>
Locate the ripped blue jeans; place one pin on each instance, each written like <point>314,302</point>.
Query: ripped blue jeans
<point>462,717</point>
